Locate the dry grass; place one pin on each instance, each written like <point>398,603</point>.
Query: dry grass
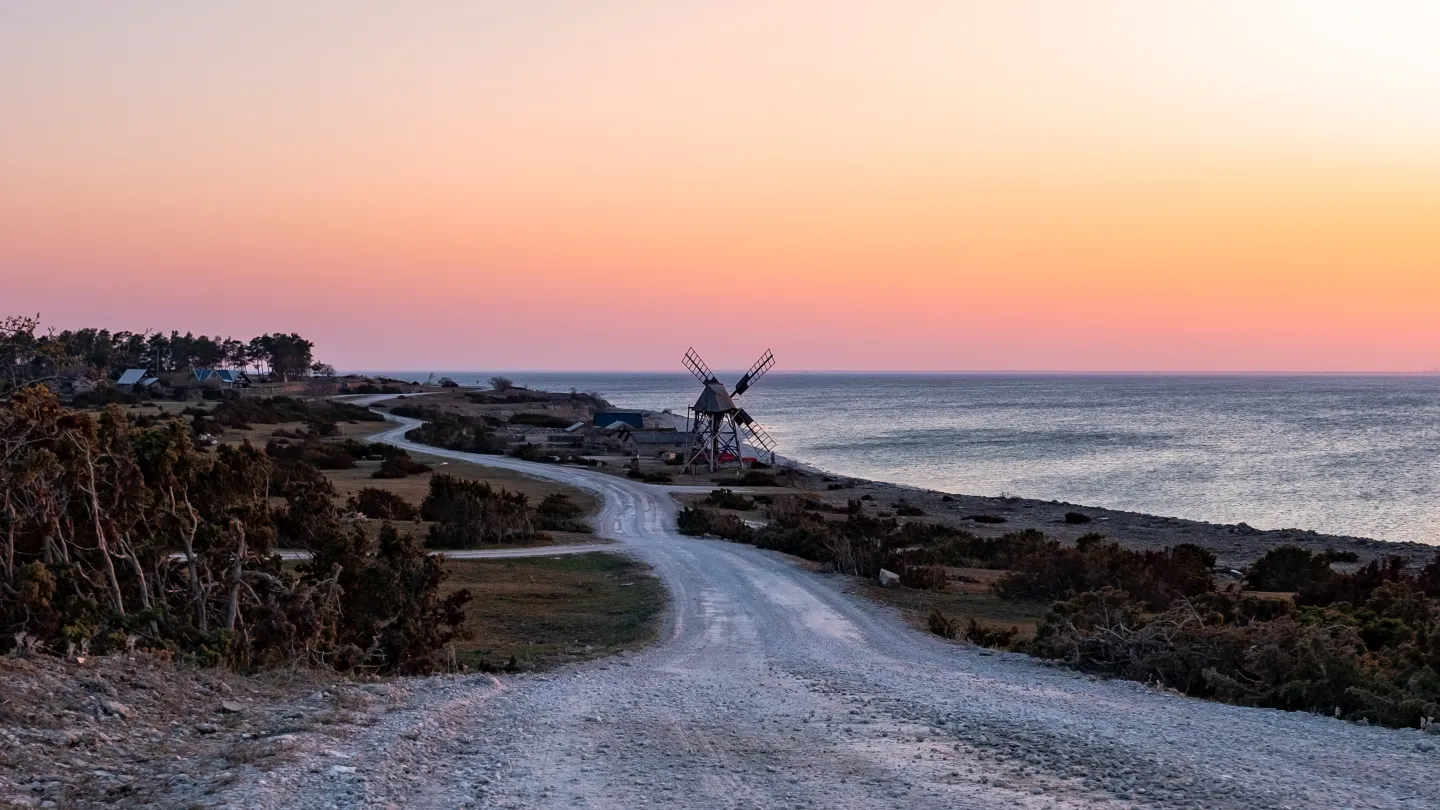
<point>413,488</point>
<point>961,601</point>
<point>541,612</point>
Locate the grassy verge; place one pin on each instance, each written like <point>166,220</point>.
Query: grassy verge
<point>960,602</point>
<point>541,612</point>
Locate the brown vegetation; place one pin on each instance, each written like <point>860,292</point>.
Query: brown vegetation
<point>114,537</point>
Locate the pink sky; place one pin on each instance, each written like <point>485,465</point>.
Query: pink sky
<point>1103,185</point>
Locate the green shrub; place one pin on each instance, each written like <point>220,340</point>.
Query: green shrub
<point>399,465</point>
<point>454,432</point>
<point>470,513</point>
<point>557,513</point>
<point>1291,568</point>
<point>699,522</point>
<point>1155,578</point>
<point>380,504</point>
<point>728,499</point>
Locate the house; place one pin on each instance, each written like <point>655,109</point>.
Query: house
<point>653,441</point>
<point>132,377</point>
<point>222,378</point>
<point>138,381</point>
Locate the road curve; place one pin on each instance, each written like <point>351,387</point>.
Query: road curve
<point>770,687</point>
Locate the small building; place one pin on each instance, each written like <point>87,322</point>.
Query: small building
<point>653,441</point>
<point>136,381</point>
<point>222,378</point>
<point>132,376</point>
<point>604,419</point>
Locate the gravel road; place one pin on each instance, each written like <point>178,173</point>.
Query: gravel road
<point>770,688</point>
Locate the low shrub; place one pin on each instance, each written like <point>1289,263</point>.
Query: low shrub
<point>986,518</point>
<point>399,465</point>
<point>380,504</point>
<point>1077,518</point>
<point>470,513</point>
<point>906,509</point>
<point>1153,578</point>
<point>557,513</point>
<point>321,455</point>
<point>756,478</point>
<point>728,499</point>
<point>453,432</point>
<point>1291,568</point>
<point>526,451</point>
<point>238,411</point>
<point>699,521</point>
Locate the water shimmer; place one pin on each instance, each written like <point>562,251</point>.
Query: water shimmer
<point>1356,455</point>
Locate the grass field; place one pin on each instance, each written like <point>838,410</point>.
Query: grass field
<point>413,488</point>
<point>536,613</point>
<point>961,601</point>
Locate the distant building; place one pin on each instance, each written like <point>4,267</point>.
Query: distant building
<point>605,419</point>
<point>653,441</point>
<point>219,378</point>
<point>137,381</point>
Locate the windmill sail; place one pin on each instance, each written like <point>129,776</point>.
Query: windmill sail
<point>756,372</point>
<point>697,367</point>
<point>759,439</point>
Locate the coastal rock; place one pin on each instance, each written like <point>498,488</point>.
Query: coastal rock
<point>231,707</point>
<point>888,579</point>
<point>117,708</point>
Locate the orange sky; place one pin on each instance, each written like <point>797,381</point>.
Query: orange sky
<point>1086,185</point>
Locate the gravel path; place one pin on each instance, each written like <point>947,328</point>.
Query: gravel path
<point>769,688</point>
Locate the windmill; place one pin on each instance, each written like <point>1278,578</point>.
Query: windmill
<point>720,429</point>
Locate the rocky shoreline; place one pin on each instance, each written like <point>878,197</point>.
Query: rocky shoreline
<point>1235,545</point>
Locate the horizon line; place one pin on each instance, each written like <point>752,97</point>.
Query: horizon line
<point>1036,372</point>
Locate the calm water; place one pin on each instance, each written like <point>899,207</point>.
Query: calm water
<point>1347,455</point>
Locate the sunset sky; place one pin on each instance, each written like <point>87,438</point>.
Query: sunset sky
<point>950,185</point>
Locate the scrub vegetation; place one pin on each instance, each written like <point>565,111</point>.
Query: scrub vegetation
<point>115,537</point>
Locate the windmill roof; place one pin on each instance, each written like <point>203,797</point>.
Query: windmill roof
<point>714,399</point>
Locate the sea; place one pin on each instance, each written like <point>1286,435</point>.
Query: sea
<point>1340,454</point>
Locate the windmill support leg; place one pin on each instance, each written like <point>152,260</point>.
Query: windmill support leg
<point>739,447</point>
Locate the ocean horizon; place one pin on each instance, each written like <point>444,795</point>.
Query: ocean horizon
<point>1350,454</point>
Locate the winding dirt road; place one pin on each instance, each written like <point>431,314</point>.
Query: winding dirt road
<point>770,688</point>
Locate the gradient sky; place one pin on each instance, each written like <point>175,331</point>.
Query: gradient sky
<point>965,185</point>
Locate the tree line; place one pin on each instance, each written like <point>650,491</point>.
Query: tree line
<point>27,353</point>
